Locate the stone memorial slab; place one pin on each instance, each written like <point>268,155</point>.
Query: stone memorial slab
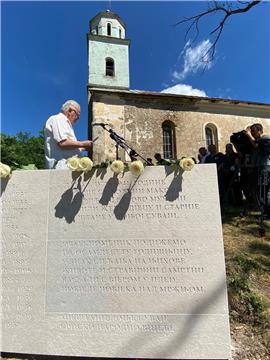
<point>101,265</point>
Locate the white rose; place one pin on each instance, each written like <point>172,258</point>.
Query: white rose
<point>5,170</point>
<point>136,167</point>
<point>85,164</point>
<point>187,164</point>
<point>117,166</point>
<point>73,163</point>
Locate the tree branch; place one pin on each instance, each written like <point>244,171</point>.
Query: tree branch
<point>228,9</point>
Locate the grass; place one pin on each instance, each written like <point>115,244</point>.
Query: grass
<point>248,268</point>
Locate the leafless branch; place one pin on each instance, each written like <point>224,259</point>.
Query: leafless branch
<point>228,9</point>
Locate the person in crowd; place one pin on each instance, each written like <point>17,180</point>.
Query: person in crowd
<point>60,140</point>
<point>213,157</point>
<point>133,155</point>
<point>202,155</point>
<point>149,162</point>
<point>229,171</point>
<point>255,132</point>
<point>159,159</point>
<point>248,153</point>
<point>260,176</point>
<point>248,165</point>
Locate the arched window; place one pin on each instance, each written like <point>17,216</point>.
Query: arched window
<point>109,29</point>
<point>96,30</point>
<point>109,67</point>
<point>211,135</point>
<point>120,33</point>
<point>169,147</point>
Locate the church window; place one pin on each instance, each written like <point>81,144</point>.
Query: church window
<point>211,135</point>
<point>109,29</point>
<point>120,33</point>
<point>97,30</point>
<point>109,67</point>
<point>169,150</point>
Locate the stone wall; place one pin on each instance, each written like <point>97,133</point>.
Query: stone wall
<point>138,117</point>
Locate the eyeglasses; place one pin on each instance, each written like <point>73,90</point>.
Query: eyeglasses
<point>76,112</point>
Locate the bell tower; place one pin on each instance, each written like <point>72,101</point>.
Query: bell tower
<point>108,52</point>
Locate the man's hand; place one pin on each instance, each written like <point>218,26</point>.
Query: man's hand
<point>248,132</point>
<point>87,145</point>
<point>251,138</point>
<point>74,144</point>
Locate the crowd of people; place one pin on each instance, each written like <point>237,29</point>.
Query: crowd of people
<point>228,169</point>
<point>239,172</point>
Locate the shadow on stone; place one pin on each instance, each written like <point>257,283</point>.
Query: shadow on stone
<point>195,316</point>
<point>101,172</point>
<point>175,187</point>
<point>122,208</point>
<point>76,175</point>
<point>169,169</point>
<point>3,185</point>
<point>87,178</point>
<point>70,203</point>
<point>88,175</point>
<point>109,190</point>
<point>25,356</point>
<point>189,321</point>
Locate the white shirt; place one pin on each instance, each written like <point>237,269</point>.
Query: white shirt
<point>58,128</point>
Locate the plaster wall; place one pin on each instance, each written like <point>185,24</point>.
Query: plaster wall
<point>98,52</point>
<point>102,27</point>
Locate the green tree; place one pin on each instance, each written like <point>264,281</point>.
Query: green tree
<point>22,149</point>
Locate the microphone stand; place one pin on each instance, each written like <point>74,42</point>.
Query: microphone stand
<point>120,142</point>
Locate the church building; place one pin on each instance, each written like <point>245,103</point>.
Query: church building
<point>151,122</point>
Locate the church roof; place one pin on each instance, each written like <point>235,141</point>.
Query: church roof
<point>108,14</point>
<point>177,96</point>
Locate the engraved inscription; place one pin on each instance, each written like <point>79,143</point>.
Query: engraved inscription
<point>23,233</point>
<point>130,266</point>
<point>122,323</point>
<point>131,262</point>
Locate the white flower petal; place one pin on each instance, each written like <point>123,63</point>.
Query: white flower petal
<point>187,164</point>
<point>85,164</point>
<point>117,166</point>
<point>73,163</point>
<point>136,167</point>
<point>5,170</point>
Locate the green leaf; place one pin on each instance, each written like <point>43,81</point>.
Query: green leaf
<point>29,167</point>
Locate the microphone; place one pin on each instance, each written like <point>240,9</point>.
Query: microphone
<point>99,124</point>
<point>113,135</point>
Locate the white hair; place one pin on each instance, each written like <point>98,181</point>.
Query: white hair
<point>68,104</point>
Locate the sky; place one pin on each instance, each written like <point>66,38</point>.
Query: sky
<point>44,56</point>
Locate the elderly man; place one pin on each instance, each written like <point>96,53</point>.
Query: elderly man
<point>60,139</point>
